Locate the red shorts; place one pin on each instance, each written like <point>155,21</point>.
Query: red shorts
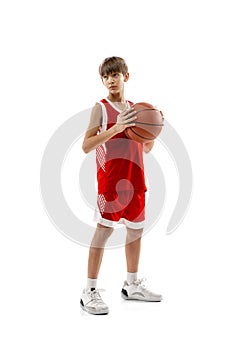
<point>124,207</point>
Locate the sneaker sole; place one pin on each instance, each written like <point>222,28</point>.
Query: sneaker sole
<point>138,299</point>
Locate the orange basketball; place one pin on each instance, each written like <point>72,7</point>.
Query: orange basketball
<point>149,123</point>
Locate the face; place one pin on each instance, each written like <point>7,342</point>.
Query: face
<point>114,82</point>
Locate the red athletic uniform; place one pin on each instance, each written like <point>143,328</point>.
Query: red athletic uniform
<point>120,175</point>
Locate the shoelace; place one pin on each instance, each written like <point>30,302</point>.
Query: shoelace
<point>95,295</point>
<point>139,283</point>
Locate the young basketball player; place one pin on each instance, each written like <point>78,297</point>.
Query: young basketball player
<point>121,185</point>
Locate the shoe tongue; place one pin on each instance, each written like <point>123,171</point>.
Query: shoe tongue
<point>92,289</point>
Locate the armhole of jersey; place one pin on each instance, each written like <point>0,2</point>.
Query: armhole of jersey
<point>104,121</point>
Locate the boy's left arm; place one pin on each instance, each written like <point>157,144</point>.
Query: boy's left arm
<point>147,147</point>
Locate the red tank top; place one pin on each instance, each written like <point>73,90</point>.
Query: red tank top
<point>119,158</point>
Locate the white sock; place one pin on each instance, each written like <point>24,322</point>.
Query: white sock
<point>131,277</point>
<point>91,283</point>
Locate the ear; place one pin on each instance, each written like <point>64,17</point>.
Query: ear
<point>126,77</point>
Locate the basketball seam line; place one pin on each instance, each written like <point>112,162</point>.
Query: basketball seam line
<point>148,123</point>
<point>148,109</point>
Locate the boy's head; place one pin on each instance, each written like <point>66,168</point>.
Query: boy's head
<point>113,65</point>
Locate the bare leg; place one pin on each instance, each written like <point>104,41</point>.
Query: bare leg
<point>96,250</point>
<point>132,249</point>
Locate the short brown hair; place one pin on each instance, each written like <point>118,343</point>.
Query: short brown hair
<point>113,64</point>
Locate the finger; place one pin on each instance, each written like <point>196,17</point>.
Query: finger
<point>128,111</point>
<point>129,120</point>
<point>129,125</point>
<point>129,115</point>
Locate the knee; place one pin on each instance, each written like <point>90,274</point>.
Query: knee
<point>104,230</point>
<point>133,235</point>
<point>101,236</point>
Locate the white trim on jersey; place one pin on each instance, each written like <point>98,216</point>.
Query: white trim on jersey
<point>115,107</point>
<point>104,123</point>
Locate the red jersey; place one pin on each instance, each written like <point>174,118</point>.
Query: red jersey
<point>119,158</point>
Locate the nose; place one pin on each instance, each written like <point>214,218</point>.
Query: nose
<point>110,79</point>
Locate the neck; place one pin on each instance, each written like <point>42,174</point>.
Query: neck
<point>116,98</point>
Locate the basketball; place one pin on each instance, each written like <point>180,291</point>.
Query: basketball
<point>149,123</point>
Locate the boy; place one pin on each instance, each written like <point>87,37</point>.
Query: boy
<point>121,185</point>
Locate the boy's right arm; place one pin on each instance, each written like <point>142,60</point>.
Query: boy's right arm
<point>93,138</point>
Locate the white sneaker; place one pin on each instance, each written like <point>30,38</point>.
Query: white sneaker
<point>138,291</point>
<point>92,302</point>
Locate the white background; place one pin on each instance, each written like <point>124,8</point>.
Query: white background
<point>180,57</point>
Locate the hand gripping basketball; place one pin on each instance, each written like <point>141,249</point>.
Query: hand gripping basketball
<point>148,125</point>
<point>125,119</point>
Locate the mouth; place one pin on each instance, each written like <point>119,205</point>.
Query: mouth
<point>112,87</point>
